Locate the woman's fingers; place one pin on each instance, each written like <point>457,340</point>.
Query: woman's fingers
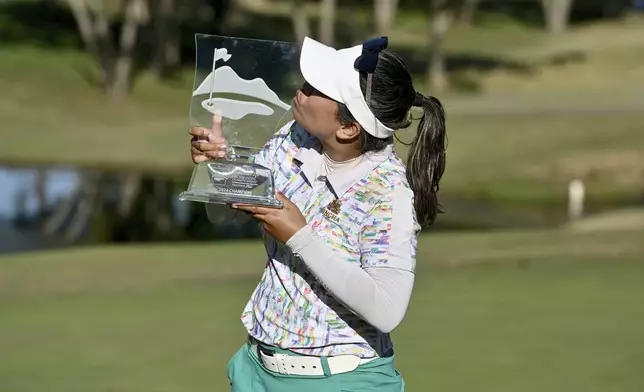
<point>200,132</point>
<point>208,143</point>
<point>217,129</point>
<point>211,150</point>
<point>215,133</point>
<point>254,209</point>
<point>206,146</point>
<point>198,156</point>
<point>218,140</point>
<point>208,153</point>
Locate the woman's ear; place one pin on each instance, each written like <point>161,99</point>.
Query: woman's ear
<point>348,132</point>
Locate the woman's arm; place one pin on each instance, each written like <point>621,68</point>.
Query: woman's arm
<point>377,295</point>
<point>379,288</point>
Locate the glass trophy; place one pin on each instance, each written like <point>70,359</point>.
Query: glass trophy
<point>250,84</point>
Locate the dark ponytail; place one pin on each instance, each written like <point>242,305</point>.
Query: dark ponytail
<point>426,160</point>
<point>392,97</point>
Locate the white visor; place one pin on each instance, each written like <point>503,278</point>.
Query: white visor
<point>332,72</point>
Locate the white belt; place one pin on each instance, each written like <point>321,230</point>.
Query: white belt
<point>307,366</point>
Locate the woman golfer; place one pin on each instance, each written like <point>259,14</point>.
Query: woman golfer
<point>341,253</point>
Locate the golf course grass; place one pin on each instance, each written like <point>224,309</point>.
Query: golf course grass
<point>505,311</point>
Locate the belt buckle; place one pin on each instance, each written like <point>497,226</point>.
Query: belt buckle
<point>280,359</point>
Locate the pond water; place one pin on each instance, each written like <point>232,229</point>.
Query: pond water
<point>16,189</point>
<point>18,204</point>
<point>17,201</point>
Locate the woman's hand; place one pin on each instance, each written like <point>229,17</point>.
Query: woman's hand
<point>280,223</point>
<point>208,144</point>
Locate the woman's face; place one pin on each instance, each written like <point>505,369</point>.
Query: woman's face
<point>316,112</point>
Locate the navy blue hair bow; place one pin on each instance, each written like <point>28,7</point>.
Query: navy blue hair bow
<point>370,50</point>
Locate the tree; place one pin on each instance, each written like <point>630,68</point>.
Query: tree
<point>74,213</point>
<point>327,21</point>
<point>115,57</point>
<point>384,15</point>
<point>556,14</point>
<point>167,37</point>
<point>40,188</point>
<point>466,15</point>
<point>442,15</point>
<point>300,18</point>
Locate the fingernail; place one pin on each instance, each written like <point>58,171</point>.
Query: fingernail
<point>221,154</point>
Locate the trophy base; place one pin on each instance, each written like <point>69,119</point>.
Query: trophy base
<point>218,198</point>
<point>229,182</point>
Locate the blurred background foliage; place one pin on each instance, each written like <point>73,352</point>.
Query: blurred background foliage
<point>531,88</point>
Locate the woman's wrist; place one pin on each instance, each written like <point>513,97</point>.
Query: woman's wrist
<point>301,239</point>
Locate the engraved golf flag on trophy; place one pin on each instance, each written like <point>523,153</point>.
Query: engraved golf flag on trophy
<point>250,84</point>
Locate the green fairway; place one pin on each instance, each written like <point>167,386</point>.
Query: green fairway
<point>512,311</point>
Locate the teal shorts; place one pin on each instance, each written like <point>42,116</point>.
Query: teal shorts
<point>247,374</point>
